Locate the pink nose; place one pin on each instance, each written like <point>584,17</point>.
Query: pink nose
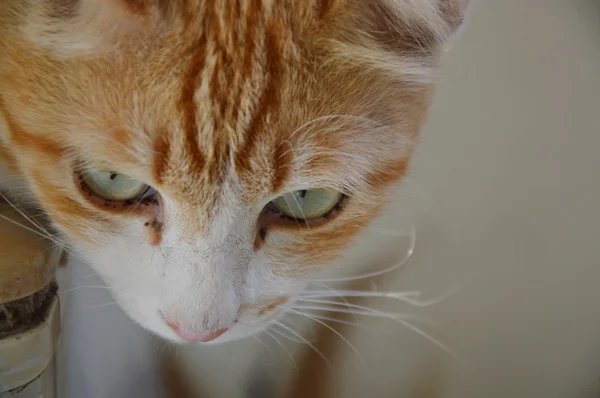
<point>203,337</point>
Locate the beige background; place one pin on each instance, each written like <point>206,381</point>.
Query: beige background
<point>505,199</point>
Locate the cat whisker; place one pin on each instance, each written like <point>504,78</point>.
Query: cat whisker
<point>332,329</point>
<point>410,297</point>
<point>301,212</point>
<point>24,214</point>
<point>350,307</point>
<point>255,337</point>
<point>28,229</point>
<point>349,117</point>
<point>400,318</point>
<point>287,336</point>
<point>92,307</point>
<point>41,231</point>
<point>337,303</point>
<point>328,151</point>
<point>366,312</point>
<point>306,341</point>
<point>394,267</point>
<point>335,294</point>
<point>83,287</point>
<point>341,321</point>
<point>90,276</point>
<point>284,348</point>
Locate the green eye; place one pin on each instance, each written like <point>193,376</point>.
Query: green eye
<point>113,186</point>
<point>308,204</point>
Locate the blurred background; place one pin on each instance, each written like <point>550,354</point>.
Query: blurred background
<point>504,196</point>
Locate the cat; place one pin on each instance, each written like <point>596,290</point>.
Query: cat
<point>207,157</point>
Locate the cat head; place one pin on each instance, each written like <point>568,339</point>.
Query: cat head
<point>207,157</point>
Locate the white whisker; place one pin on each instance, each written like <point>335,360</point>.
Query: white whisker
<point>407,297</point>
<point>255,337</point>
<point>27,228</point>
<point>381,272</point>
<point>336,294</point>
<point>306,341</point>
<point>367,312</point>
<point>332,329</point>
<point>92,307</point>
<point>330,319</point>
<point>22,212</point>
<point>301,212</point>
<point>285,349</point>
<point>83,287</point>
<point>286,336</point>
<point>400,318</point>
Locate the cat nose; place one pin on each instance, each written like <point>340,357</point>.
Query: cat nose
<point>202,337</point>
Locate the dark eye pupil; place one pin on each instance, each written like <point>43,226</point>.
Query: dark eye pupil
<point>302,193</point>
<point>113,176</point>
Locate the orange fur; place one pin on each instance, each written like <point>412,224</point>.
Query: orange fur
<point>211,100</point>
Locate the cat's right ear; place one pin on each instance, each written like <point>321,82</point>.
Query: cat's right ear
<point>75,26</point>
<point>403,38</point>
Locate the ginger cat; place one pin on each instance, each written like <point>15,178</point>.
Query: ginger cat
<point>207,157</point>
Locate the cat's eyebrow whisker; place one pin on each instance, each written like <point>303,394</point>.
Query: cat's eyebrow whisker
<point>394,267</point>
<point>301,211</point>
<point>298,204</point>
<point>332,329</point>
<point>329,151</point>
<point>306,341</point>
<point>344,117</point>
<point>400,318</point>
<point>284,348</point>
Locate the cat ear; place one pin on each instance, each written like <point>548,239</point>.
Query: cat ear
<point>70,26</point>
<point>399,24</point>
<point>412,25</point>
<point>401,38</point>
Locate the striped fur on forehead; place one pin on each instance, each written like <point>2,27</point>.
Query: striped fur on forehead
<point>197,94</point>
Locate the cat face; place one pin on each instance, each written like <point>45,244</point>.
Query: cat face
<point>207,157</point>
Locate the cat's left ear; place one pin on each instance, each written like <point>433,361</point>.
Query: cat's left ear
<point>75,26</point>
<point>401,25</point>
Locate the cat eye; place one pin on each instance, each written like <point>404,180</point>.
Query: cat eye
<point>114,186</point>
<point>308,204</point>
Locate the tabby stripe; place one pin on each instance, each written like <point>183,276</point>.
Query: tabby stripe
<point>190,82</point>
<point>162,153</point>
<point>253,12</point>
<point>270,94</point>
